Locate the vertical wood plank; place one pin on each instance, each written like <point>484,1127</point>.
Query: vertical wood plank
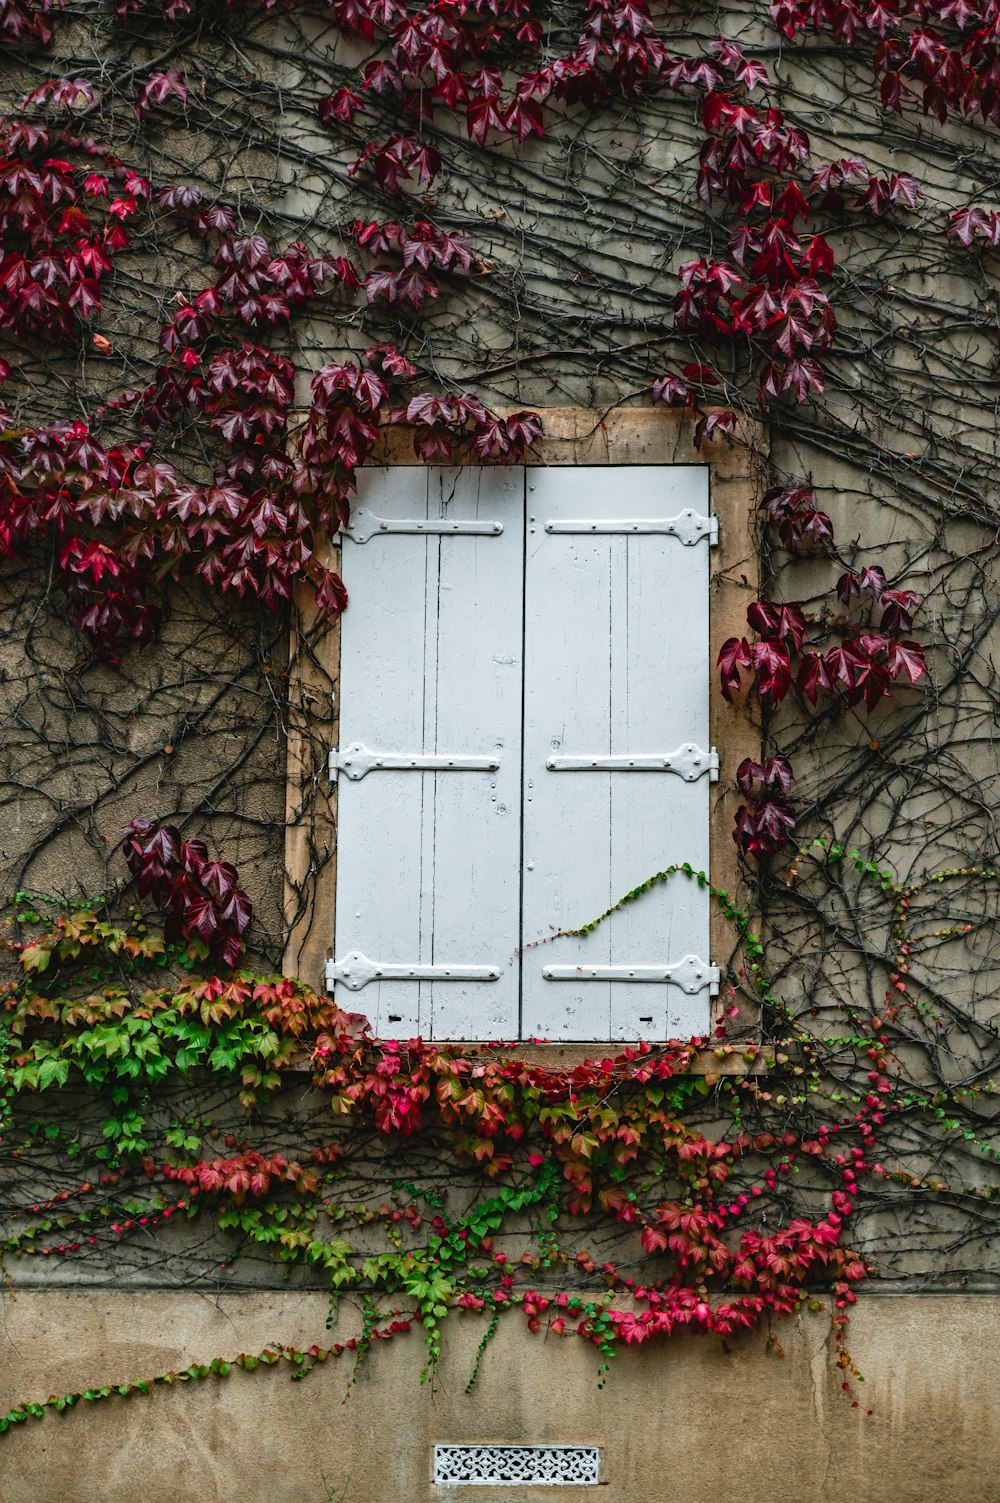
<point>477,709</point>
<point>381,842</point>
<point>310,801</point>
<point>616,663</point>
<point>431,653</point>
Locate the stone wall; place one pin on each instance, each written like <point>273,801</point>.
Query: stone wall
<point>761,1420</point>
<point>577,239</point>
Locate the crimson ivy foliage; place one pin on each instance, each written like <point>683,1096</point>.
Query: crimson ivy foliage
<point>859,670</point>
<point>127,520</point>
<point>712,1246</point>
<point>759,316</point>
<point>258,526</point>
<point>202,898</point>
<point>606,1140</point>
<point>65,202</point>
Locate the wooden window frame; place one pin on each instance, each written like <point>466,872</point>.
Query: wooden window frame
<point>572,436</point>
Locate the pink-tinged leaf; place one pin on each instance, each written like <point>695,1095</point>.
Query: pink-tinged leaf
<point>778,619</point>
<point>382,282</point>
<point>76,94</point>
<point>813,678</point>
<point>844,665</point>
<point>427,408</point>
<point>482,116</point>
<point>872,684</point>
<point>775,822</point>
<point>451,251</point>
<point>872,644</point>
<point>391,360</point>
<point>145,838</point>
<point>965,224</point>
<point>522,428</point>
<point>432,442</point>
<point>376,238</point>
<point>94,560</point>
<point>237,911</point>
<point>778,774</point>
<point>899,607</point>
<point>875,197</point>
<point>772,664</point>
<point>158,88</point>
<point>524,119</point>
<point>904,189</point>
<point>331,595</point>
<point>230,951</point>
<point>791,204</point>
<point>891,91</point>
<point>219,877</point>
<point>672,390</point>
<point>907,659</point>
<point>774,775</point>
<point>747,774</point>
<point>183,196</point>
<point>194,857</point>
<point>713,424</point>
<point>816,525</point>
<point>733,655</point>
<point>744,243</point>
<point>800,377</point>
<point>342,105</point>
<point>701,375</point>
<point>200,918</point>
<point>872,579</point>
<point>817,258</point>
<point>414,287</point>
<point>765,830</point>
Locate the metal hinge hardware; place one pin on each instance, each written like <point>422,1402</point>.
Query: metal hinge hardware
<point>689,973</point>
<point>688,527</point>
<point>355,971</point>
<point>688,761</point>
<point>365,524</point>
<point>356,761</point>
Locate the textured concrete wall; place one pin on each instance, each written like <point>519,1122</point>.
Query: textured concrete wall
<point>688,1422</point>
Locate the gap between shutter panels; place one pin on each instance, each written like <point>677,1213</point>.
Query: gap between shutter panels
<point>611,534</point>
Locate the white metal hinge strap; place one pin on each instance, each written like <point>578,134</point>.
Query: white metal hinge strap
<point>688,761</point>
<point>365,524</point>
<point>688,527</point>
<point>689,973</point>
<point>355,970</point>
<point>356,761</point>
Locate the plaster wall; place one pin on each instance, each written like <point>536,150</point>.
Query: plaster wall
<point>690,1421</point>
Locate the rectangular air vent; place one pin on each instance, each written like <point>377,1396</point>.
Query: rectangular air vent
<point>534,1466</point>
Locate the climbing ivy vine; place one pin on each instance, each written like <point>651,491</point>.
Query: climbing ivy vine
<point>199,349</point>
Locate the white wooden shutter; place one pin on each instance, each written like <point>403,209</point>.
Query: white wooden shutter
<point>428,855</point>
<point>617,674</point>
<point>462,841</point>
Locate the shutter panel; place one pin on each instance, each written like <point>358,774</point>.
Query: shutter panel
<point>616,667</point>
<point>428,855</point>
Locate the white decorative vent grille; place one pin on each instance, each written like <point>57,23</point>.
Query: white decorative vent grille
<point>538,1466</point>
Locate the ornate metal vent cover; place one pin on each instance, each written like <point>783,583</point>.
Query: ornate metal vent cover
<point>537,1466</point>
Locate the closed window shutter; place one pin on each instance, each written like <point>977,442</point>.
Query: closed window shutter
<point>428,857</point>
<point>617,675</point>
<point>508,629</point>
